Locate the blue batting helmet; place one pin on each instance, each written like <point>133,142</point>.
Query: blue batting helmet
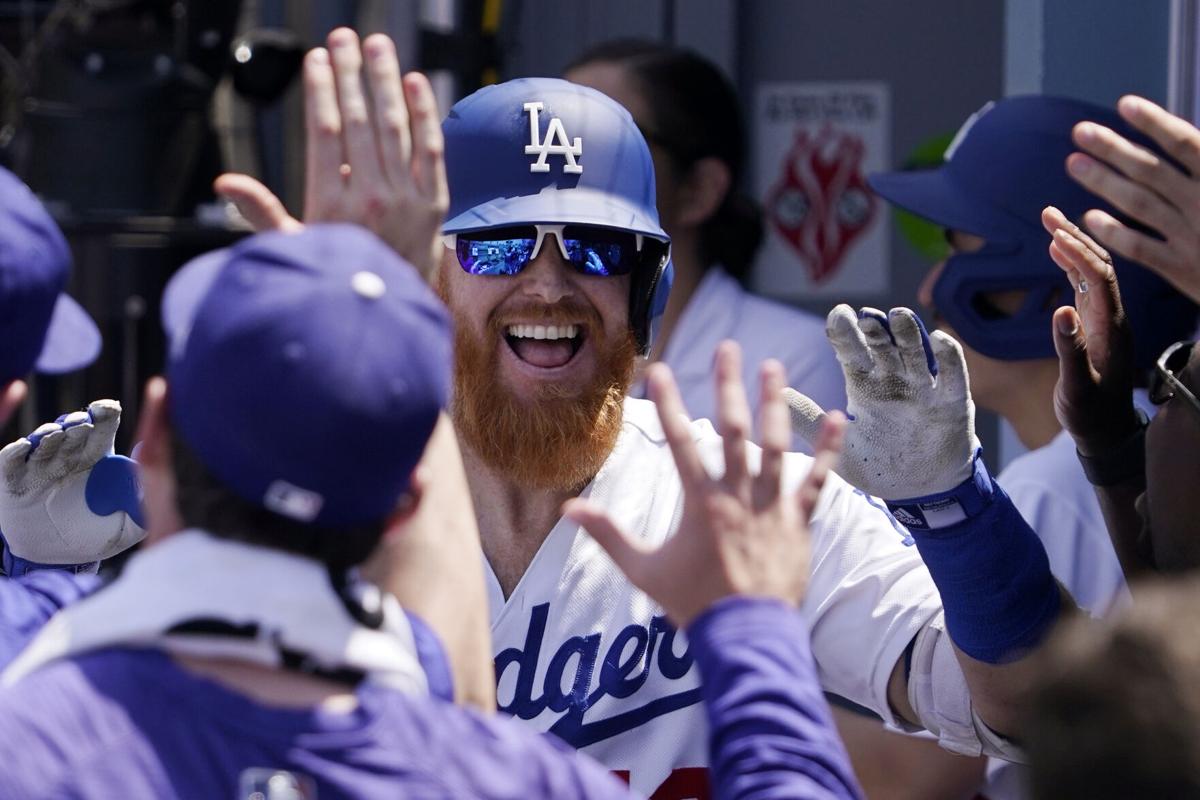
<point>546,151</point>
<point>1005,165</point>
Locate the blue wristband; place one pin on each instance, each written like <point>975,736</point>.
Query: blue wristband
<point>989,566</point>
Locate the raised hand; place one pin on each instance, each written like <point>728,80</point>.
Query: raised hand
<point>1148,188</point>
<point>912,429</point>
<point>373,152</point>
<point>65,499</point>
<point>740,533</point>
<point>1093,398</point>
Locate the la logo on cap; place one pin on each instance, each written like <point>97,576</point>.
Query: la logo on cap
<point>556,143</point>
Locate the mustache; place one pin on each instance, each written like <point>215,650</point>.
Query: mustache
<point>567,311</point>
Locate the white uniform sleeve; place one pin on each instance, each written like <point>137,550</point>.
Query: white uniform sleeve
<point>870,594</point>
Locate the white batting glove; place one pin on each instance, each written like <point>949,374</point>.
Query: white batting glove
<point>912,422</point>
<point>65,499</point>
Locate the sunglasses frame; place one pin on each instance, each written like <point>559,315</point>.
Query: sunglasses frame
<point>451,240</point>
<point>1170,379</point>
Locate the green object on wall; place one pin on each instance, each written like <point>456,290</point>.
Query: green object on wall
<point>922,235</point>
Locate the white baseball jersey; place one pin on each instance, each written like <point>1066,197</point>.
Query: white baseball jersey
<point>581,653</point>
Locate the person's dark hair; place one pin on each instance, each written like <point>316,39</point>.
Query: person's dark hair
<point>205,503</point>
<point>1116,712</point>
<point>695,114</point>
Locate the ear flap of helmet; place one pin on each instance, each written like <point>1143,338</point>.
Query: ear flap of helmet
<point>649,291</point>
<point>959,298</point>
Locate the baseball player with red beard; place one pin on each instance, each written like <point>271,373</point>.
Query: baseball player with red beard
<point>556,270</point>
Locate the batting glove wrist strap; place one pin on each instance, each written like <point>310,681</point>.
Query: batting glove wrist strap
<point>14,566</point>
<point>993,575</point>
<point>967,500</point>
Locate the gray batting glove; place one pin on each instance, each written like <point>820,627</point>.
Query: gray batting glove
<point>912,422</point>
<point>65,499</point>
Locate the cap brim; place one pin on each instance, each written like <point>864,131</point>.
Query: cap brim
<point>561,207</point>
<point>72,340</point>
<point>185,291</point>
<point>933,195</point>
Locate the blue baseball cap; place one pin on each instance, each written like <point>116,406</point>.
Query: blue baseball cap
<point>307,370</point>
<point>41,327</point>
<point>1007,163</point>
<point>547,151</point>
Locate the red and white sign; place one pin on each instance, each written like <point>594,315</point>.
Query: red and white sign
<point>814,145</point>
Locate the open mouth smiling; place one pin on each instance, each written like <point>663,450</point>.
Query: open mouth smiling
<point>545,346</point>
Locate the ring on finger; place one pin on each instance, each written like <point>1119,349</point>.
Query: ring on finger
<point>1083,286</point>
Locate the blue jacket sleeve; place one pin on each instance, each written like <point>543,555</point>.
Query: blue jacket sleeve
<point>28,602</point>
<point>771,733</point>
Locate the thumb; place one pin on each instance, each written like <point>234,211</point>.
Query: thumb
<point>807,417</point>
<point>1074,366</point>
<point>628,555</point>
<point>258,204</point>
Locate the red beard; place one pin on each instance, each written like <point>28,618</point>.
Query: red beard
<point>558,439</point>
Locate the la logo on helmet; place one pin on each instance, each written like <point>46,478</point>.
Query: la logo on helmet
<point>556,143</point>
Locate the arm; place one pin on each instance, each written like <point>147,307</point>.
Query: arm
<point>379,164</point>
<point>1095,384</point>
<point>741,534</point>
<point>28,602</point>
<point>771,728</point>
<point>912,442</point>
<point>435,568</point>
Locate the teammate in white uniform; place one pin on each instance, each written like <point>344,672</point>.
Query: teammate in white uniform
<point>585,655</point>
<point>556,271</point>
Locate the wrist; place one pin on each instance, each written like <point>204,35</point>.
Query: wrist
<point>944,509</point>
<point>1118,460</point>
<point>1110,435</point>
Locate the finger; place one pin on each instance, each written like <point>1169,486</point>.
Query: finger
<point>323,124</point>
<point>1134,245</point>
<point>13,458</point>
<point>47,442</point>
<point>1137,163</point>
<point>660,386</point>
<point>628,554</point>
<point>952,378</point>
<point>358,137</point>
<point>1137,201</point>
<point>75,442</point>
<point>849,343</point>
<point>256,203</point>
<point>881,344</point>
<point>1178,137</point>
<point>805,415</point>
<point>912,342</point>
<point>391,112</point>
<point>826,452</point>
<point>1099,273</point>
<point>733,413</point>
<point>1054,220</point>
<point>1074,366</point>
<point>428,146</point>
<point>106,419</point>
<point>774,432</point>
<point>1064,262</point>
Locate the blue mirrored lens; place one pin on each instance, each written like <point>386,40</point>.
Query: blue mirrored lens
<point>494,256</point>
<point>600,252</point>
